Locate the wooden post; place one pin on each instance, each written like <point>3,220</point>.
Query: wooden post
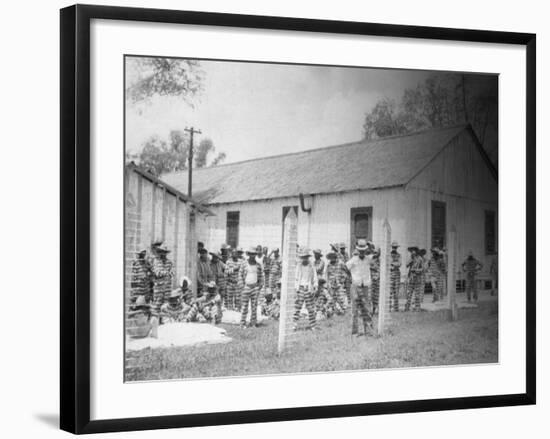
<point>192,242</point>
<point>451,274</point>
<point>288,292</point>
<point>384,295</point>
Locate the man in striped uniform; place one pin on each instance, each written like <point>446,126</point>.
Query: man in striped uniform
<point>141,278</point>
<point>207,307</point>
<point>175,310</point>
<point>424,259</point>
<point>471,266</point>
<point>232,268</point>
<point>375,278</point>
<point>275,273</point>
<point>395,276</point>
<point>162,278</point>
<point>436,273</point>
<point>205,275</point>
<point>335,272</point>
<point>225,252</point>
<point>319,263</point>
<point>360,269</point>
<point>306,282</point>
<point>251,277</point>
<point>414,279</point>
<point>218,270</point>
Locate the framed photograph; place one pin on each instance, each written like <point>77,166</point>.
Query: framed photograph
<point>275,218</point>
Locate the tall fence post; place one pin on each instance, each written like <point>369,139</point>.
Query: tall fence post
<point>384,294</point>
<point>288,292</point>
<point>451,274</point>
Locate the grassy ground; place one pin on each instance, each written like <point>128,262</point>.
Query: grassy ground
<point>414,339</point>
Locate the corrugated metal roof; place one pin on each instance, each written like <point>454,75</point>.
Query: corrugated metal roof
<point>386,162</point>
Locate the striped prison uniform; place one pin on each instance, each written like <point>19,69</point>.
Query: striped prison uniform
<point>204,275</point>
<point>375,286</point>
<point>324,305</point>
<point>436,273</point>
<point>319,265</point>
<point>233,287</point>
<point>360,271</point>
<point>218,270</point>
<point>141,280</point>
<point>306,281</point>
<point>395,280</point>
<point>471,266</point>
<point>162,282</point>
<point>250,290</point>
<point>275,273</point>
<point>344,258</point>
<point>206,308</point>
<point>335,275</point>
<point>423,278</point>
<point>174,311</point>
<point>414,280</point>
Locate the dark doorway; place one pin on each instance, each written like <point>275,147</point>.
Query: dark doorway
<point>439,224</point>
<point>361,225</point>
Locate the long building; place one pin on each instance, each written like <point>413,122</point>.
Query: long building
<point>424,184</point>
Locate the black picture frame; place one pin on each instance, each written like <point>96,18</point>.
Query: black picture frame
<point>75,217</point>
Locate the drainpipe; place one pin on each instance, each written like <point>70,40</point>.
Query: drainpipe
<point>308,211</point>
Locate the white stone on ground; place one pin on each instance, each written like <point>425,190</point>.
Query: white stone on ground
<point>180,334</point>
<point>234,317</point>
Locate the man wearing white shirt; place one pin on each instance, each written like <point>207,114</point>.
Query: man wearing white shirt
<point>359,267</point>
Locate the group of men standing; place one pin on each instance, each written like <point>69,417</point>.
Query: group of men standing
<point>237,280</point>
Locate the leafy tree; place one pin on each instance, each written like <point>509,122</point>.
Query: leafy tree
<point>160,157</point>
<point>441,100</point>
<point>149,77</point>
<point>204,150</point>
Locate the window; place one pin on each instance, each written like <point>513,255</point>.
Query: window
<point>439,224</point>
<point>490,232</point>
<point>232,229</point>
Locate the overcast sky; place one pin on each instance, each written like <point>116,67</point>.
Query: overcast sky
<point>253,110</point>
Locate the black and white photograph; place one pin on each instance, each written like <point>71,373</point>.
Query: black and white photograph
<point>297,218</point>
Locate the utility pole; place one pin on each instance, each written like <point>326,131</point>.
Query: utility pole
<point>191,131</point>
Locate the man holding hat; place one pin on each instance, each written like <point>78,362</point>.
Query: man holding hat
<point>174,310</point>
<point>204,272</point>
<point>436,273</point>
<point>233,287</point>
<point>251,277</point>
<point>162,277</point>
<point>395,276</point>
<point>275,273</point>
<point>360,270</point>
<point>471,266</point>
<point>306,282</point>
<point>141,277</point>
<point>335,273</point>
<point>218,270</point>
<point>225,252</point>
<point>318,263</point>
<point>414,279</point>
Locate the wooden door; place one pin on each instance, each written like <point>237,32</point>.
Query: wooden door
<point>361,225</point>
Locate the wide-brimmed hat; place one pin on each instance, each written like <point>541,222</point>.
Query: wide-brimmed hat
<point>216,255</point>
<point>211,284</point>
<point>163,249</point>
<point>317,251</point>
<point>252,251</point>
<point>225,246</point>
<point>175,294</point>
<point>157,242</point>
<point>303,252</point>
<point>141,251</point>
<point>435,249</point>
<point>331,255</point>
<point>361,244</point>
<point>412,248</point>
<point>342,245</point>
<point>394,244</point>
<point>239,250</point>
